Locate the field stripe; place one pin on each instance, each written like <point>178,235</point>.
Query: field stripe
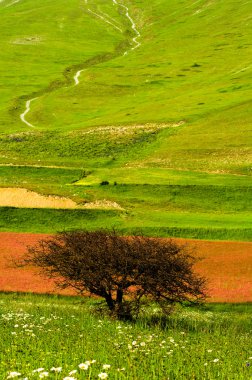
<point>227,265</point>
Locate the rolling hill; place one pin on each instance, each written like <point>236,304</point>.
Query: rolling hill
<point>140,111</point>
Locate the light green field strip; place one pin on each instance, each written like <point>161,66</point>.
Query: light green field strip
<point>162,176</point>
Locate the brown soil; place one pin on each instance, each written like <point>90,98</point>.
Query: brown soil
<point>19,197</point>
<point>227,266</point>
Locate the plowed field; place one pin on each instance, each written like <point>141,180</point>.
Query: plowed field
<point>227,266</point>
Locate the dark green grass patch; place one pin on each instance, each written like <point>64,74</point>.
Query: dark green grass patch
<point>50,220</point>
<point>168,224</point>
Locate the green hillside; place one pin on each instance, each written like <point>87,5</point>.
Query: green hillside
<point>156,101</point>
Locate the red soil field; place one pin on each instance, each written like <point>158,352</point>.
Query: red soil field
<point>226,265</point>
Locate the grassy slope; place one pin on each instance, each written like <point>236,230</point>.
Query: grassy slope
<point>181,72</point>
<point>39,42</point>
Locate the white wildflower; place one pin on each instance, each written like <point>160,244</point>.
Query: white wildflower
<point>103,375</point>
<point>73,372</point>
<point>83,366</point>
<point>56,369</point>
<point>38,370</point>
<point>43,374</point>
<point>13,374</point>
<point>106,366</point>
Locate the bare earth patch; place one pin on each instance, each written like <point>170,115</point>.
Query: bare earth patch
<point>226,265</point>
<point>23,198</point>
<point>104,204</point>
<point>17,197</point>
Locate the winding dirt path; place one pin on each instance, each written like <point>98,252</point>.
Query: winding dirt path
<point>107,19</point>
<point>133,26</point>
<point>27,110</point>
<point>76,77</point>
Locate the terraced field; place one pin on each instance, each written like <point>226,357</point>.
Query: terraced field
<point>137,112</point>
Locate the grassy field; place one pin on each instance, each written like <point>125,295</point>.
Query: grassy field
<point>167,125</point>
<point>156,202</point>
<point>41,333</point>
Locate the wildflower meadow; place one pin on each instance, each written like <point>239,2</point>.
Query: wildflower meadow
<point>62,338</point>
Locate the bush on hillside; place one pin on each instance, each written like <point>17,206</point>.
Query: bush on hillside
<point>122,270</point>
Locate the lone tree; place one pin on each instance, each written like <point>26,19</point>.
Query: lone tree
<point>122,270</point>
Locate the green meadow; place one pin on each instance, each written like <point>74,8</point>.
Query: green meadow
<point>161,203</point>
<point>167,125</point>
<point>62,338</point>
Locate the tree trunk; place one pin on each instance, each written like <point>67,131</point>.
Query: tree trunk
<point>110,302</point>
<point>119,296</point>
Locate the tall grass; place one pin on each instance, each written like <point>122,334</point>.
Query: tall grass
<point>42,332</point>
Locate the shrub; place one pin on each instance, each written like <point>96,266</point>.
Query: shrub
<point>122,270</point>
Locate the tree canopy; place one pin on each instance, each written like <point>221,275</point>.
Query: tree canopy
<point>122,270</point>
